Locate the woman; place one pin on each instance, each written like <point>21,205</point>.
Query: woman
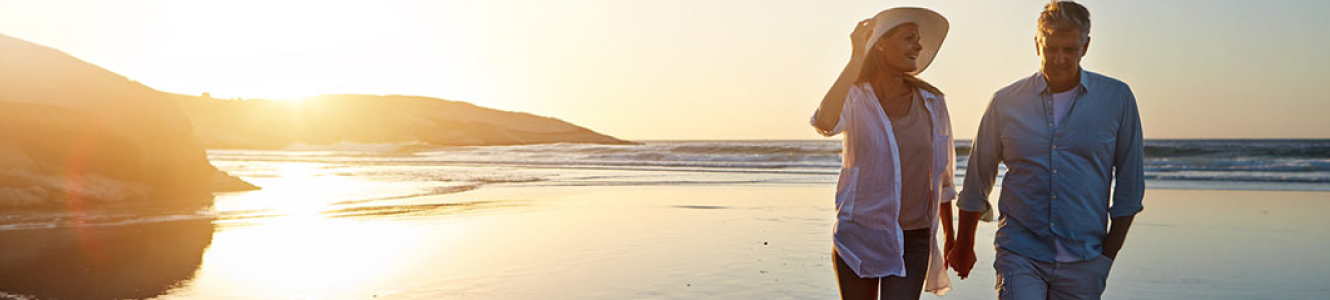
<point>896,180</point>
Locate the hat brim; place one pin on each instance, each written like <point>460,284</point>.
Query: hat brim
<point>932,31</point>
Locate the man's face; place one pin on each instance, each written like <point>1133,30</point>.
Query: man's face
<point>1061,54</point>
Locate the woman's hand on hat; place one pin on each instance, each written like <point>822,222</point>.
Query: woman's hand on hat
<point>860,36</point>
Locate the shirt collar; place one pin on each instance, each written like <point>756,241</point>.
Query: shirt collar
<point>1084,87</point>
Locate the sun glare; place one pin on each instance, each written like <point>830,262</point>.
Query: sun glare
<point>307,257</point>
<point>303,190</point>
<point>292,189</point>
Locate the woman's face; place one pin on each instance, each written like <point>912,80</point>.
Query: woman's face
<point>899,49</point>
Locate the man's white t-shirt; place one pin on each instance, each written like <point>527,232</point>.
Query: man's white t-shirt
<point>1062,105</point>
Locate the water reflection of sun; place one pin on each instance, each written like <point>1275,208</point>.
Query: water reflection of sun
<point>304,191</point>
<point>289,247</point>
<point>293,189</point>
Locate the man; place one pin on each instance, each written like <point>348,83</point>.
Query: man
<point>1065,135</point>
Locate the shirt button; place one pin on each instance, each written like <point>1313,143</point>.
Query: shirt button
<point>1055,147</point>
<point>1055,171</point>
<point>1055,196</point>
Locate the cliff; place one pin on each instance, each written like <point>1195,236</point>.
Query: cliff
<point>78,134</point>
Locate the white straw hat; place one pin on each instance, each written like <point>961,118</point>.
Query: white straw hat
<point>932,30</point>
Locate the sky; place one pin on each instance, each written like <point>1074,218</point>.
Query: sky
<point>686,69</point>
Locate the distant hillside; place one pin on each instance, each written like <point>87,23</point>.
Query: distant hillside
<point>268,124</point>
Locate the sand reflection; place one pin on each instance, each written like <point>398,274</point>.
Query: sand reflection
<point>129,261</point>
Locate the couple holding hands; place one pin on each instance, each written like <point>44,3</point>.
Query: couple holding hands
<point>1064,133</point>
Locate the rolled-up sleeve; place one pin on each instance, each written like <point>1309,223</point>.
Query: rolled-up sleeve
<point>840,124</point>
<point>844,115</point>
<point>1128,161</point>
<point>948,187</point>
<point>985,154</point>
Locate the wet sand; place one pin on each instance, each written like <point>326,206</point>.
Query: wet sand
<point>714,242</point>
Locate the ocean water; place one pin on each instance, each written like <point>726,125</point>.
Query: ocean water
<point>682,219</point>
<point>1289,165</point>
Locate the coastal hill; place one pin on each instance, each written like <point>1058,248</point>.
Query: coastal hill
<point>330,119</point>
<point>76,134</point>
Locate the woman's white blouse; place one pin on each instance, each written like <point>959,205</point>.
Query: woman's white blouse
<point>866,234</point>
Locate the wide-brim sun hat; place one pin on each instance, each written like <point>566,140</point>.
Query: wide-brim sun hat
<point>932,31</point>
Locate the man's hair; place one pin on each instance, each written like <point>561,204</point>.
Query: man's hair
<point>1060,16</point>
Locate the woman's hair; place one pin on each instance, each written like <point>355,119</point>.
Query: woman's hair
<point>1064,16</point>
<point>873,65</point>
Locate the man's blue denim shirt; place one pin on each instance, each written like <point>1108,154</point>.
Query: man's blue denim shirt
<point>1058,177</point>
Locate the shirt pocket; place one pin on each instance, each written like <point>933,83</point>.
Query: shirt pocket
<point>1019,148</point>
<point>845,193</point>
<point>1095,143</point>
<point>940,143</point>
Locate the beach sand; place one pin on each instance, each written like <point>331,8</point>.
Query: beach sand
<point>715,242</point>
